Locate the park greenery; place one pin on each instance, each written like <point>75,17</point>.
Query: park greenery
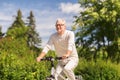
<point>97,31</point>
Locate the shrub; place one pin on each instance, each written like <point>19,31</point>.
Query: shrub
<point>14,68</point>
<point>99,70</point>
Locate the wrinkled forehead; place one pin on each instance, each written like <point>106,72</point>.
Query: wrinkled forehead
<point>60,21</point>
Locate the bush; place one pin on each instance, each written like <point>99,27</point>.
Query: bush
<point>14,68</point>
<point>99,70</point>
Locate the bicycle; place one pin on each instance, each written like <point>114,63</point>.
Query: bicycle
<point>51,77</point>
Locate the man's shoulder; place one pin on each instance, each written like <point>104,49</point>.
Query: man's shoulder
<point>54,34</point>
<point>69,32</point>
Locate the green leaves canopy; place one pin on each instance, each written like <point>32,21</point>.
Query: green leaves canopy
<point>99,26</point>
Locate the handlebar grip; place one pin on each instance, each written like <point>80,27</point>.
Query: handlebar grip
<point>47,59</point>
<point>42,59</point>
<point>58,58</point>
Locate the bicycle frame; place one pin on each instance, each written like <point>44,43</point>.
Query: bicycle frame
<point>51,59</point>
<point>51,77</point>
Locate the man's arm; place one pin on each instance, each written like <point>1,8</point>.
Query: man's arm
<point>40,56</point>
<point>70,45</point>
<point>45,50</point>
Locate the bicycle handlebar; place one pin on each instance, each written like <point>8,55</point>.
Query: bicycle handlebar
<point>51,58</point>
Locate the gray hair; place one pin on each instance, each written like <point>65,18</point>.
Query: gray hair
<point>60,19</point>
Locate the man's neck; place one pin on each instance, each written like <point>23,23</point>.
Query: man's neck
<point>61,33</point>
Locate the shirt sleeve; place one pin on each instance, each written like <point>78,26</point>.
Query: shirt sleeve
<point>48,45</point>
<point>71,41</point>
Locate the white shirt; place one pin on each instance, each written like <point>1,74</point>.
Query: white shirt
<point>62,43</point>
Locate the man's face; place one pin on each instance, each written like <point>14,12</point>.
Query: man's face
<point>60,27</point>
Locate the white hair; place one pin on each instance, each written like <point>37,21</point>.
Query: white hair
<point>62,20</point>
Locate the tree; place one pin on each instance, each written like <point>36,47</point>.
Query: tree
<point>33,36</point>
<point>99,27</point>
<point>1,34</point>
<point>17,27</point>
<point>0,30</point>
<point>31,20</point>
<point>18,21</point>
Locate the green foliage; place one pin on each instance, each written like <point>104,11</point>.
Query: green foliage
<point>17,32</point>
<point>98,26</point>
<point>18,62</point>
<point>33,38</point>
<point>13,67</point>
<point>100,70</point>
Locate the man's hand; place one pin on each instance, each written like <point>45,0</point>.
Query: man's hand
<point>38,59</point>
<point>67,54</point>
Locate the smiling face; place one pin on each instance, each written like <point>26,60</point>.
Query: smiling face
<point>60,26</point>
